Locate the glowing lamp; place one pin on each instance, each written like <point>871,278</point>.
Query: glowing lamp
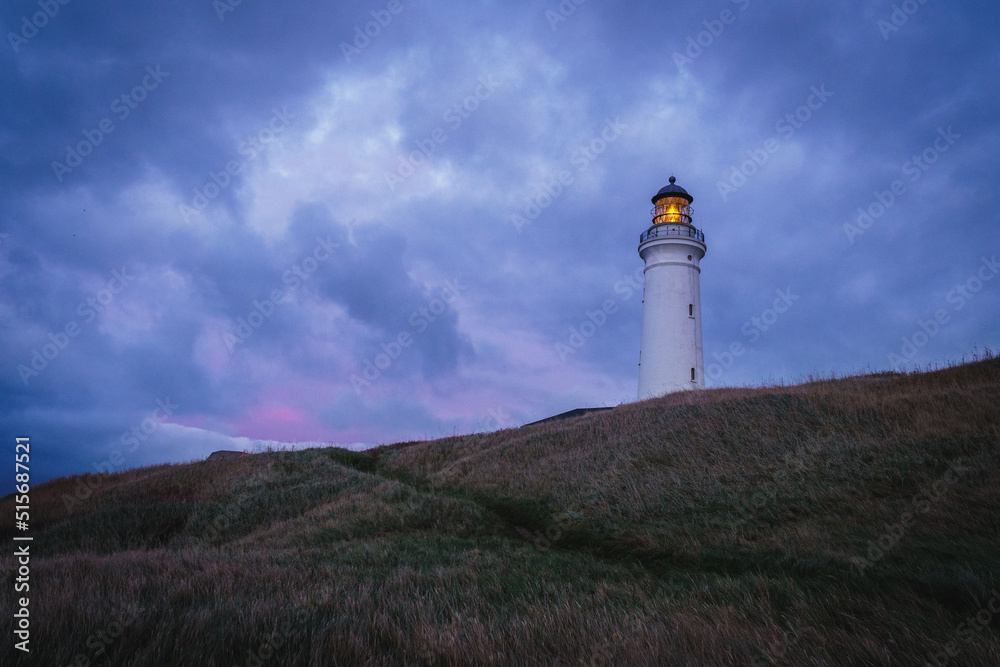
<point>672,205</point>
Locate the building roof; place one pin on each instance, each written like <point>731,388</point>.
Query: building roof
<point>672,190</point>
<point>568,415</point>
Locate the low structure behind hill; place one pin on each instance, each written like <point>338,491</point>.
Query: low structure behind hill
<point>568,415</point>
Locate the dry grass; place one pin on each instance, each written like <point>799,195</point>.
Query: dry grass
<point>726,527</point>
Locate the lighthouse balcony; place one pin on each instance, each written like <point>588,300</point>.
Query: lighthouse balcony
<point>680,230</point>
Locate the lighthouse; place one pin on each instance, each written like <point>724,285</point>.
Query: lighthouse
<point>671,357</point>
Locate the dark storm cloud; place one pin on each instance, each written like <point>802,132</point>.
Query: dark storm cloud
<point>240,144</point>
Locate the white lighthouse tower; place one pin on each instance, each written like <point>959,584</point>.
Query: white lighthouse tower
<point>671,357</point>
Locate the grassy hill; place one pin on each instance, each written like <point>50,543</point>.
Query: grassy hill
<point>851,521</point>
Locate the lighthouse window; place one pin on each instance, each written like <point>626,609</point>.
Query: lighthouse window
<point>690,258</point>
<point>690,310</point>
<point>692,375</point>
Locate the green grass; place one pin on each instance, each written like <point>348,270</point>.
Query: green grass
<point>725,527</point>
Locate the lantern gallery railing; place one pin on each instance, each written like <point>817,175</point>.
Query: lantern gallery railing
<point>659,231</point>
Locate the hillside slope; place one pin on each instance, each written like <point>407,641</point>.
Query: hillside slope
<point>850,521</point>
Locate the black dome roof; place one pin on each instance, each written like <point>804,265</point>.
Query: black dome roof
<point>672,190</point>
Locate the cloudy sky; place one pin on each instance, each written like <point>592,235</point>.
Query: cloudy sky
<point>229,223</point>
